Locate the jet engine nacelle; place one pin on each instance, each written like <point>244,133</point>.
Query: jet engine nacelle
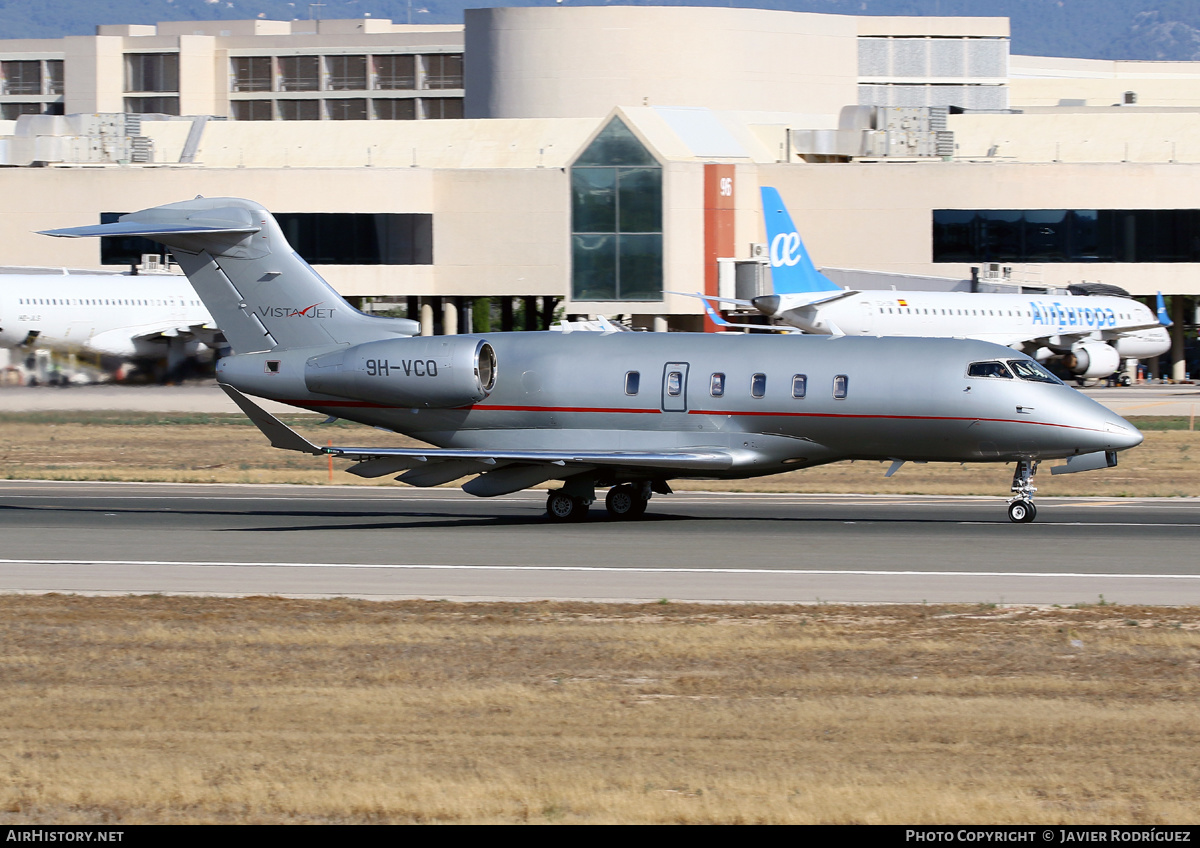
<point>435,372</point>
<point>1093,359</point>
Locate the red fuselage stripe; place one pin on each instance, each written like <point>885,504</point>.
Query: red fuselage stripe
<point>728,412</point>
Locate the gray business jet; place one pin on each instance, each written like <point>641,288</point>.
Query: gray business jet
<point>627,411</point>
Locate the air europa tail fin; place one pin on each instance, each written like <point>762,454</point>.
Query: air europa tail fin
<point>1161,313</point>
<point>260,292</point>
<point>791,269</point>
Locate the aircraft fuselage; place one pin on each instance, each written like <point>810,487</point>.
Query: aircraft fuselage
<point>863,398</point>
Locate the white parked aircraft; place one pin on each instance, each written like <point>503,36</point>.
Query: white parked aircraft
<point>145,317</point>
<point>1092,334</point>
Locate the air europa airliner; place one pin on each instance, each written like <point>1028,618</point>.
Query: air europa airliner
<point>129,317</point>
<point>1092,334</point>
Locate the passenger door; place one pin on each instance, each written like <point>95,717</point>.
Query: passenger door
<point>674,387</point>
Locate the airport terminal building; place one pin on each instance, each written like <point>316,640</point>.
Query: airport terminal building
<point>597,159</point>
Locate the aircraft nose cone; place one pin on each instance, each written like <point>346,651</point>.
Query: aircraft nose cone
<point>1122,435</point>
<point>767,304</point>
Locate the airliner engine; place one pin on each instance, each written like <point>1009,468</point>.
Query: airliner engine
<point>429,373</point>
<point>1092,359</point>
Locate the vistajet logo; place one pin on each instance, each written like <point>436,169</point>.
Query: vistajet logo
<point>313,311</point>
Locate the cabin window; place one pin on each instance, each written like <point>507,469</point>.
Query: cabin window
<point>988,369</point>
<point>674,383</point>
<point>632,380</point>
<point>841,384</point>
<point>758,385</point>
<point>799,385</point>
<point>716,386</point>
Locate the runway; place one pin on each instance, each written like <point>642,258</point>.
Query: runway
<point>403,543</point>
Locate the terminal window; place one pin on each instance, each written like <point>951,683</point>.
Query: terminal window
<point>152,72</point>
<point>299,73</point>
<point>251,73</point>
<point>395,73</point>
<point>616,219</point>
<point>337,238</point>
<point>1066,235</point>
<point>21,77</point>
<point>443,70</point>
<point>395,109</point>
<point>346,73</point>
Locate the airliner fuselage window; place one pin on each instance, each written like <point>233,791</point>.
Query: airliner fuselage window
<point>988,369</point>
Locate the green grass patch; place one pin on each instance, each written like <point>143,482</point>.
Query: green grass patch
<point>1160,422</point>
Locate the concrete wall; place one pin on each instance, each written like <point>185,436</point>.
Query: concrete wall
<point>552,62</point>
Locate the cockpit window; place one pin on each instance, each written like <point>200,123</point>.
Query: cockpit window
<point>1028,369</point>
<point>988,369</point>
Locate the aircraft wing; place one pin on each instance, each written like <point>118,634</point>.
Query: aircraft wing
<point>720,321</point>
<point>799,300</point>
<point>433,466</point>
<point>1117,332</point>
<point>1006,339</point>
<point>200,332</point>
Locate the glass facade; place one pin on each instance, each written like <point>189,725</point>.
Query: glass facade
<point>438,73</point>
<point>152,72</point>
<point>395,110</point>
<point>1066,235</point>
<point>443,70</point>
<point>252,110</point>
<point>616,219</point>
<point>338,238</point>
<point>346,73</point>
<point>251,73</point>
<point>21,77</point>
<point>299,73</point>
<point>395,73</point>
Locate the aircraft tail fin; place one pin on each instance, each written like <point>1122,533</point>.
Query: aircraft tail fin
<point>1163,317</point>
<point>260,292</point>
<point>792,270</point>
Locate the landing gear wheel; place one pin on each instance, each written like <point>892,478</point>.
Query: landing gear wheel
<point>621,502</point>
<point>1022,512</point>
<point>561,507</point>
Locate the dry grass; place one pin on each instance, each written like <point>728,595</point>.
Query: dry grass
<point>227,449</point>
<point>153,709</point>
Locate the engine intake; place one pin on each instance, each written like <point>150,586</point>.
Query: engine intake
<point>1093,359</point>
<point>427,373</point>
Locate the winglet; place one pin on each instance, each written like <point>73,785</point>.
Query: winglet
<point>279,434</point>
<point>1163,318</point>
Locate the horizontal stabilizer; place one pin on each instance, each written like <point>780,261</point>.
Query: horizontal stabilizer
<point>149,230</point>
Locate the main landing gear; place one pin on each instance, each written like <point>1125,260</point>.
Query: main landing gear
<point>1020,507</point>
<point>624,502</point>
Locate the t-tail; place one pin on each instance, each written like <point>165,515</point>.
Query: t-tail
<point>791,269</point>
<point>260,292</point>
<point>1163,317</point>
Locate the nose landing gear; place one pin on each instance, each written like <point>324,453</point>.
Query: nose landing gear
<point>1020,507</point>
